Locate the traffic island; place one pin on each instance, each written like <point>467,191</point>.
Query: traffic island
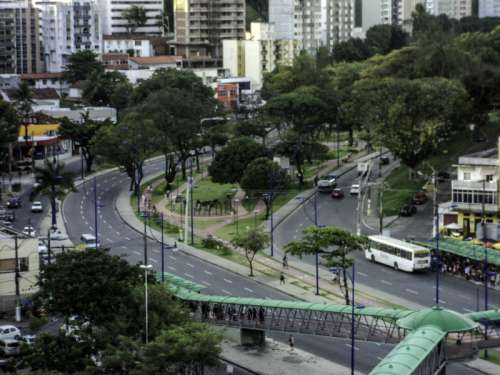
<point>252,337</point>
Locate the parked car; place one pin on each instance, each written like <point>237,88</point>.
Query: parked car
<point>338,193</point>
<point>7,215</point>
<point>9,347</point>
<point>327,183</point>
<point>384,160</point>
<point>14,202</point>
<point>36,206</point>
<point>420,198</point>
<point>354,189</point>
<point>42,248</point>
<point>28,339</point>
<point>9,332</point>
<point>29,231</point>
<point>57,235</point>
<point>408,210</point>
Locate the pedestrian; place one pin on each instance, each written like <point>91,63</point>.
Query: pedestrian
<point>291,342</point>
<point>316,179</point>
<point>282,279</point>
<point>285,261</point>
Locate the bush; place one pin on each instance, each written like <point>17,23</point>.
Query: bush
<point>16,187</point>
<point>214,244</point>
<point>37,323</point>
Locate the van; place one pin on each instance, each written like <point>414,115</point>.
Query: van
<point>9,347</point>
<point>89,241</point>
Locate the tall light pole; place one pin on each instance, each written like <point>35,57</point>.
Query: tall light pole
<point>96,232</point>
<point>162,250</point>
<point>255,219</point>
<point>236,201</point>
<point>317,254</point>
<point>436,233</point>
<point>353,326</point>
<point>146,268</point>
<point>485,268</point>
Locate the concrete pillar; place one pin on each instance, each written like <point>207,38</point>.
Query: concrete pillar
<point>252,337</point>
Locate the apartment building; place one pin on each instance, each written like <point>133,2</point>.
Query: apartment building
<point>202,25</point>
<point>260,53</point>
<point>452,8</point>
<point>20,44</point>
<point>68,26</point>
<point>489,8</point>
<point>474,196</point>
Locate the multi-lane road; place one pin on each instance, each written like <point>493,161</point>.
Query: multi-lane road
<point>78,211</point>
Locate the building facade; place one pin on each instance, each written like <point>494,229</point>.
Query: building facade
<point>20,44</point>
<point>202,25</point>
<point>68,26</point>
<point>452,8</point>
<point>489,8</point>
<point>133,45</point>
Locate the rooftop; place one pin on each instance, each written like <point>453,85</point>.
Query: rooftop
<point>40,94</point>
<point>156,60</point>
<point>487,157</point>
<point>57,75</point>
<point>443,319</point>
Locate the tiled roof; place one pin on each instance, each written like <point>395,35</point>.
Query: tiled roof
<point>156,60</point>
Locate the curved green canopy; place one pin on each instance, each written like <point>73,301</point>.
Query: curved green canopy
<point>443,319</point>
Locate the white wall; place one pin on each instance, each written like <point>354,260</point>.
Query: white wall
<point>137,75</point>
<point>142,48</point>
<point>115,8</point>
<point>253,62</point>
<point>489,8</point>
<point>230,57</point>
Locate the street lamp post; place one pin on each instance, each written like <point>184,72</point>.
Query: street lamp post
<point>353,326</point>
<point>162,250</point>
<point>317,254</point>
<point>146,268</point>
<point>255,219</point>
<point>236,201</point>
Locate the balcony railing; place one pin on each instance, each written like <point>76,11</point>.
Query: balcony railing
<point>475,207</point>
<point>474,185</point>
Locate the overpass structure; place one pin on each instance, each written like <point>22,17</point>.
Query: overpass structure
<point>426,339</point>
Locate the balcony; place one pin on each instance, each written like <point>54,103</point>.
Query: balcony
<point>475,207</point>
<point>474,185</point>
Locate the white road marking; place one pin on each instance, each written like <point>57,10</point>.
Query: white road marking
<point>379,358</point>
<point>412,291</point>
<point>128,239</point>
<point>153,260</point>
<point>171,268</point>
<point>225,291</point>
<point>464,296</point>
<point>385,282</point>
<point>208,272</point>
<point>171,257</point>
<point>206,283</point>
<point>466,309</point>
<point>442,301</point>
<point>350,346</point>
<point>228,281</point>
<point>362,274</point>
<point>189,275</point>
<point>190,265</point>
<point>117,233</point>
<point>248,290</point>
<point>137,252</point>
<point>123,247</point>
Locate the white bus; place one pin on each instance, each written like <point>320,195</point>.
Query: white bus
<point>399,254</point>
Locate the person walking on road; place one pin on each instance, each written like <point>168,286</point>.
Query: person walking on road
<point>291,342</point>
<point>316,179</point>
<point>282,279</point>
<point>285,261</point>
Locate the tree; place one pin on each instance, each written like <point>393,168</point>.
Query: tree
<point>93,285</point>
<point>260,176</point>
<point>229,164</point>
<point>255,127</point>
<point>80,66</point>
<point>135,16</point>
<point>83,132</point>
<point>411,117</point>
<point>333,244</point>
<point>23,98</point>
<point>252,241</point>
<point>54,182</point>
<point>382,39</point>
<point>351,50</point>
<point>121,96</point>
<point>100,86</point>
<point>128,144</point>
<point>9,130</point>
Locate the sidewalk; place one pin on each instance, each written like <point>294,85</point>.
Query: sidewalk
<point>483,366</point>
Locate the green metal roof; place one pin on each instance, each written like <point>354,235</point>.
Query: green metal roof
<point>466,249</point>
<point>410,353</point>
<point>176,282</point>
<point>484,315</point>
<point>445,320</point>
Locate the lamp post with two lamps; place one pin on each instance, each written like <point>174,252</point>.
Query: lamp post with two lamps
<point>146,268</point>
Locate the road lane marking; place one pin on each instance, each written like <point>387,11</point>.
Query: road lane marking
<point>248,290</point>
<point>171,268</point>
<point>228,281</point>
<point>385,282</point>
<point>350,346</point>
<point>123,247</point>
<point>412,291</point>
<point>208,272</point>
<point>189,275</point>
<point>128,239</point>
<point>464,296</point>
<point>442,301</point>
<point>190,265</point>
<point>225,291</point>
<point>137,252</point>
<point>379,358</point>
<point>171,257</point>
<point>362,274</point>
<point>153,260</point>
<point>206,283</point>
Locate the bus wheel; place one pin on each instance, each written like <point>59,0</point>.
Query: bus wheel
<point>396,266</point>
<point>373,258</point>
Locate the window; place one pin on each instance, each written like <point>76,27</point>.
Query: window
<point>466,176</point>
<point>489,178</point>
<point>9,265</point>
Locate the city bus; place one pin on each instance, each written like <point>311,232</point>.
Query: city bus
<point>399,254</point>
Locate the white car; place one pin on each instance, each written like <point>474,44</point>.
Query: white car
<point>42,248</point>
<point>36,206</point>
<point>57,235</point>
<point>327,183</point>
<point>29,339</point>
<point>9,332</point>
<point>354,189</point>
<point>29,231</point>
<point>9,347</point>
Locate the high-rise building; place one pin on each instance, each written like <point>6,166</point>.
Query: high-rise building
<point>114,22</point>
<point>452,8</point>
<point>489,8</point>
<point>202,25</point>
<point>20,47</point>
<point>68,26</point>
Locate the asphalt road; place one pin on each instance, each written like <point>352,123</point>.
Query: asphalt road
<point>78,211</point>
<point>455,294</point>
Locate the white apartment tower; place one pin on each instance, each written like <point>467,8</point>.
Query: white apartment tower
<point>489,8</point>
<point>452,8</point>
<point>68,26</point>
<point>114,22</point>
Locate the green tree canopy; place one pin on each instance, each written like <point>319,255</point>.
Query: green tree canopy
<point>353,49</point>
<point>229,163</point>
<point>99,87</point>
<point>136,16</point>
<point>251,241</point>
<point>382,39</point>
<point>80,66</point>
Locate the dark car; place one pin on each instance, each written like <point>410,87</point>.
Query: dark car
<point>408,210</point>
<point>384,160</point>
<point>420,198</point>
<point>338,193</point>
<point>14,202</point>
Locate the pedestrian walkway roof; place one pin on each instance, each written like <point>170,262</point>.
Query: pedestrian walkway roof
<point>466,250</point>
<point>446,320</point>
<point>410,353</point>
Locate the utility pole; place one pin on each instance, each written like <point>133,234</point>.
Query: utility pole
<point>485,270</point>
<point>317,254</point>
<point>436,233</point>
<point>381,208</point>
<point>162,251</point>
<point>353,333</point>
<point>145,239</point>
<point>191,200</point>
<point>96,232</point>
<point>17,276</point>
<point>270,197</point>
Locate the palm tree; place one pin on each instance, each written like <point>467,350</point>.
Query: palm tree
<point>54,182</point>
<point>23,98</point>
<point>136,17</point>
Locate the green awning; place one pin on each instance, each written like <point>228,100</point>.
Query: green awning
<point>466,250</point>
